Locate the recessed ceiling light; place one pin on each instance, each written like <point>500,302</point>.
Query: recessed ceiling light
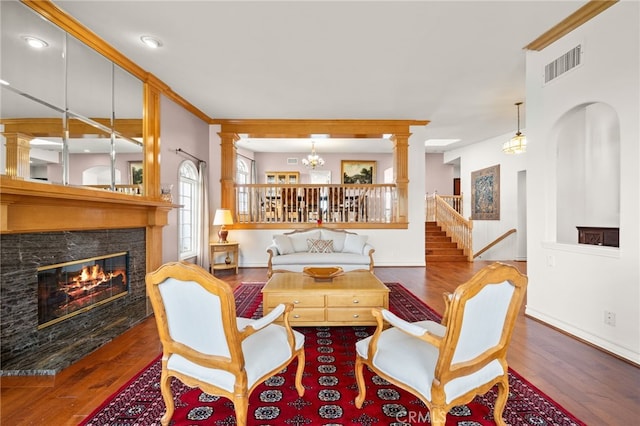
<point>35,42</point>
<point>151,42</point>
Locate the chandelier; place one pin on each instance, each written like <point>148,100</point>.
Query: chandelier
<point>313,160</point>
<point>518,143</point>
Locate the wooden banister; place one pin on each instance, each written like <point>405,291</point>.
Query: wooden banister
<point>459,229</point>
<point>494,242</point>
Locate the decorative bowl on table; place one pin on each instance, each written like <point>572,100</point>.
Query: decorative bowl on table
<point>323,273</point>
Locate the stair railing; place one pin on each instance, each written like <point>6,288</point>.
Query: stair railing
<point>494,242</point>
<point>459,229</point>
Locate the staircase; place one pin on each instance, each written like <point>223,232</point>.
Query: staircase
<point>439,247</point>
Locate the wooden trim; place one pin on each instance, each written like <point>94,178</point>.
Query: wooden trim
<point>494,242</point>
<point>399,129</point>
<point>44,127</point>
<point>570,23</point>
<point>305,127</point>
<point>312,225</point>
<point>33,207</point>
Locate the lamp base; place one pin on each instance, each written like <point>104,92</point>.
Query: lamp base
<point>222,235</point>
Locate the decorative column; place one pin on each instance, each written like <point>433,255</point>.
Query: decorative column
<point>18,146</point>
<point>151,171</point>
<point>228,170</point>
<point>401,174</point>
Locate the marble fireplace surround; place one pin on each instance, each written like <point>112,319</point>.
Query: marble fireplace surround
<point>27,350</point>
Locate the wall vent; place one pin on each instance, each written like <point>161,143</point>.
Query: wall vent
<point>292,160</point>
<point>564,63</point>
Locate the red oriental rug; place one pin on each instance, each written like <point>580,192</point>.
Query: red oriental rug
<point>330,387</point>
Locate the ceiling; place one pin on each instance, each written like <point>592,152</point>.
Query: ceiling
<point>458,64</point>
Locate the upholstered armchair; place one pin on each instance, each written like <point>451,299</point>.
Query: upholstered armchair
<point>205,345</point>
<point>448,364</point>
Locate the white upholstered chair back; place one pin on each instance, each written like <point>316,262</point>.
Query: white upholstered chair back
<point>483,321</point>
<point>187,303</point>
<point>195,310</point>
<point>480,317</point>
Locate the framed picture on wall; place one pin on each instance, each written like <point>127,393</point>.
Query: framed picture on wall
<point>485,194</point>
<point>135,172</point>
<point>358,171</point>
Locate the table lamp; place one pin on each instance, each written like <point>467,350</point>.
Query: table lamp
<point>223,218</point>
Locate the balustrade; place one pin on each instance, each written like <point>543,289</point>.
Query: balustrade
<point>268,203</point>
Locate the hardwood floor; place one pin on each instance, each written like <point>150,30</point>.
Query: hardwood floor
<point>596,387</point>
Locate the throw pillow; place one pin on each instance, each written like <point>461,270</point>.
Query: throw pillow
<point>320,246</point>
<point>354,243</point>
<point>283,243</point>
<point>299,240</point>
<point>337,237</point>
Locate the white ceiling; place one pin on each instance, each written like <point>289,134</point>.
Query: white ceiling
<point>459,64</point>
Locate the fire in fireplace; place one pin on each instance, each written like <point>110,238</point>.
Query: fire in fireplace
<point>68,289</point>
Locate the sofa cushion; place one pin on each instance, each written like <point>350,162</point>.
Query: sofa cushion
<point>283,243</point>
<point>354,243</point>
<point>320,246</point>
<point>299,240</point>
<point>337,237</point>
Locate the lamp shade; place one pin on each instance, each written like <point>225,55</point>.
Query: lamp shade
<point>223,217</point>
<point>516,145</point>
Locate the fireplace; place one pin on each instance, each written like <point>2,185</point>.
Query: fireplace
<point>39,341</point>
<point>68,289</point>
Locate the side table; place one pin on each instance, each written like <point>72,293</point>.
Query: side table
<point>231,260</point>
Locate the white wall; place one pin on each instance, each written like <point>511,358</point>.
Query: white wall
<point>479,156</point>
<point>571,285</point>
<point>408,246</point>
<point>178,129</point>
<point>438,176</point>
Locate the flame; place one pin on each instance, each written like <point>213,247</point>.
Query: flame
<point>92,276</point>
<point>91,273</point>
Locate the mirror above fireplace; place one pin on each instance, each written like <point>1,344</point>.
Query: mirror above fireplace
<point>64,107</point>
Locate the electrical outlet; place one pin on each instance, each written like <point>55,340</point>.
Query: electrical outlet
<point>610,318</point>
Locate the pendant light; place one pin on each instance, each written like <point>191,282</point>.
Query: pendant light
<point>518,143</point>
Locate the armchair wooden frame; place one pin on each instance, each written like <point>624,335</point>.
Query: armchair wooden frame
<point>446,338</point>
<point>186,274</point>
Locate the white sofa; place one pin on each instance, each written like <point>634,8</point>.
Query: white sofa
<point>292,251</point>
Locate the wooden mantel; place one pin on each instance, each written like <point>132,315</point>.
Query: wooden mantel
<point>31,207</point>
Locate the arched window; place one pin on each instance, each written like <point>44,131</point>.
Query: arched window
<point>242,177</point>
<point>189,200</point>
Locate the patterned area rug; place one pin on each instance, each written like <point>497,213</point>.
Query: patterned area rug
<point>330,387</point>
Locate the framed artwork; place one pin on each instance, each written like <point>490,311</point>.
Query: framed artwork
<point>358,171</point>
<point>485,194</point>
<point>135,172</point>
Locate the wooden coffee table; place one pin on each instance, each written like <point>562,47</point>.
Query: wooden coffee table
<point>345,300</point>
